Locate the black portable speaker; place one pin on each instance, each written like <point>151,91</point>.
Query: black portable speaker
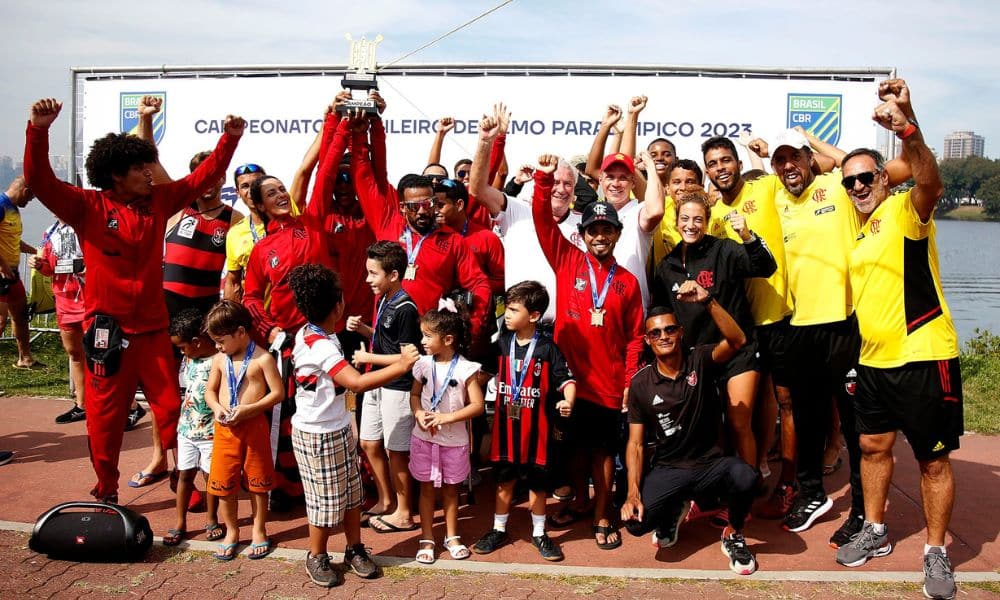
<point>92,532</point>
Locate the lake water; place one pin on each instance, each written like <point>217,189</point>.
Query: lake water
<point>969,254</point>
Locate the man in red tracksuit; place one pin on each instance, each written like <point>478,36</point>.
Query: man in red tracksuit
<point>600,321</point>
<point>121,228</point>
<point>438,260</point>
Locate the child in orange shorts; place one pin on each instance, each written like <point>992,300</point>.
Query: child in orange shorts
<point>242,386</point>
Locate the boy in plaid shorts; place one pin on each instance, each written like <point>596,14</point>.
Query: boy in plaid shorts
<point>322,438</point>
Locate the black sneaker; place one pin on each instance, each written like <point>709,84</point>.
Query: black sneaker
<point>359,560</point>
<point>851,527</point>
<point>741,560</point>
<point>805,511</point>
<point>320,572</point>
<point>667,537</point>
<point>71,416</point>
<point>6,456</point>
<point>546,547</point>
<point>134,416</point>
<point>491,541</point>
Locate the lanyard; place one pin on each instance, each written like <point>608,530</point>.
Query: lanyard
<point>411,251</point>
<point>253,230</point>
<point>435,394</point>
<point>378,313</point>
<point>465,228</point>
<point>599,299</point>
<point>234,381</point>
<point>517,377</point>
<point>317,329</point>
<point>48,232</point>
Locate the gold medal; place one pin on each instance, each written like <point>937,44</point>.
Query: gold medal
<point>513,412</point>
<point>597,317</point>
<point>411,272</point>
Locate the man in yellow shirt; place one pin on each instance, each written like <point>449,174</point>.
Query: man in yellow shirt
<point>819,227</point>
<point>909,377</point>
<point>13,299</point>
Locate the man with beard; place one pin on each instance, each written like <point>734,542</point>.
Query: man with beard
<point>438,261</point>
<point>909,377</point>
<point>600,321</point>
<point>769,302</point>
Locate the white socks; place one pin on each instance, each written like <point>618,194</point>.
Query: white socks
<point>500,522</point>
<point>537,525</point>
<point>927,548</point>
<point>879,528</point>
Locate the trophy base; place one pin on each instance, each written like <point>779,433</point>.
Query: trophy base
<point>352,106</point>
<point>359,81</point>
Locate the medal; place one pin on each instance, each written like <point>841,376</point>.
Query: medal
<point>235,381</point>
<point>597,313</point>
<point>411,272</point>
<point>411,254</point>
<point>518,375</point>
<point>513,412</point>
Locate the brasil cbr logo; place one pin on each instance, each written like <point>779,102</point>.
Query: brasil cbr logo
<point>819,114</point>
<point>129,103</point>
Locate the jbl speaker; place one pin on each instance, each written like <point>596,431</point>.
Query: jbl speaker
<point>92,532</point>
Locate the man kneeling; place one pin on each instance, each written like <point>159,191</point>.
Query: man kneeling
<point>676,401</point>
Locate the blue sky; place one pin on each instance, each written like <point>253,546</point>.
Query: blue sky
<point>947,51</point>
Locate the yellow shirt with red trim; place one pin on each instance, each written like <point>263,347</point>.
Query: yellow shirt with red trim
<point>666,236</point>
<point>820,227</point>
<point>769,298</point>
<point>896,285</point>
<point>11,229</point>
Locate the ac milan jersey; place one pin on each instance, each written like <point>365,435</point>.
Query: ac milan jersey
<point>522,429</point>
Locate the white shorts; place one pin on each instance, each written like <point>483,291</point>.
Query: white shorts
<point>194,454</point>
<point>386,416</point>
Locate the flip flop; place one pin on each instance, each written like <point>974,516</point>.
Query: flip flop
<point>606,531</point>
<point>388,527</point>
<point>566,517</point>
<point>266,545</point>
<point>367,515</point>
<point>142,479</point>
<point>32,367</point>
<point>174,537</point>
<point>226,553</point>
<point>214,531</point>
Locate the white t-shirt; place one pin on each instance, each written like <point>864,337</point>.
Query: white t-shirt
<point>632,249</point>
<point>320,406</point>
<point>452,400</point>
<point>523,256</point>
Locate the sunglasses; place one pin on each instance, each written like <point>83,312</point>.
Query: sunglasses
<point>435,177</point>
<point>655,334</point>
<point>461,174</point>
<point>866,178</point>
<point>416,205</point>
<point>247,168</point>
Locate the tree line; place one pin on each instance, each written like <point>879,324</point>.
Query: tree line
<point>972,177</point>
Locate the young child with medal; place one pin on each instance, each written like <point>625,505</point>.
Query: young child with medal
<point>242,386</point>
<point>599,328</point>
<point>445,395</point>
<point>534,388</point>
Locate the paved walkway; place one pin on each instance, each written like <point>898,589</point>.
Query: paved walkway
<point>51,466</point>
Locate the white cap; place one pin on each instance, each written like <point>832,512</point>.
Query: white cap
<point>791,138</point>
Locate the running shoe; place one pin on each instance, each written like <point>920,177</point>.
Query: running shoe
<point>939,578</point>
<point>741,560</point>
<point>805,511</point>
<point>865,545</point>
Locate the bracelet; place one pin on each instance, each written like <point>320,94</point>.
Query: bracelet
<point>911,128</point>
<point>708,300</point>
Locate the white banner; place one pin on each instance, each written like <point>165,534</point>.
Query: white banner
<point>551,112</point>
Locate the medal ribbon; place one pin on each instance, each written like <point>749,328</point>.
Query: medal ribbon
<point>234,381</point>
<point>435,394</point>
<point>411,251</point>
<point>599,299</point>
<point>517,377</point>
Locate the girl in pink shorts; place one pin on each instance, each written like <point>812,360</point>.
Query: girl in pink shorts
<point>444,398</point>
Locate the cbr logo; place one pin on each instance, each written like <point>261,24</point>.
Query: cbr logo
<point>705,279</point>
<point>129,113</point>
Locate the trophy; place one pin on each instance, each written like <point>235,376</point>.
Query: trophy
<point>360,75</point>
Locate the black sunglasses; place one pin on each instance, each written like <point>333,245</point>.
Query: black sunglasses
<point>247,168</point>
<point>655,334</point>
<point>866,178</point>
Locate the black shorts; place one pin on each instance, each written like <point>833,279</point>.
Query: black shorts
<point>594,427</point>
<point>823,354</point>
<point>922,399</point>
<point>772,350</point>
<point>746,359</point>
<point>537,478</point>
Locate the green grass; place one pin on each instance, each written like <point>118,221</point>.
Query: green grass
<point>980,376</point>
<point>966,213</point>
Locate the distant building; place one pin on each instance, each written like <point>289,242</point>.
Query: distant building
<point>962,144</point>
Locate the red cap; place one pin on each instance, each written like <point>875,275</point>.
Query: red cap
<point>619,159</point>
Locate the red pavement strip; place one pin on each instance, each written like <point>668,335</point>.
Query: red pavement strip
<point>52,466</point>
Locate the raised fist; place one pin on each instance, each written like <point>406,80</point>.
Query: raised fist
<point>45,111</point>
<point>235,125</point>
<point>636,104</point>
<point>547,163</point>
<point>446,124</point>
<point>612,116</point>
<point>150,105</point>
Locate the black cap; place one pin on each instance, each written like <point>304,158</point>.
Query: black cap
<point>599,212</point>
